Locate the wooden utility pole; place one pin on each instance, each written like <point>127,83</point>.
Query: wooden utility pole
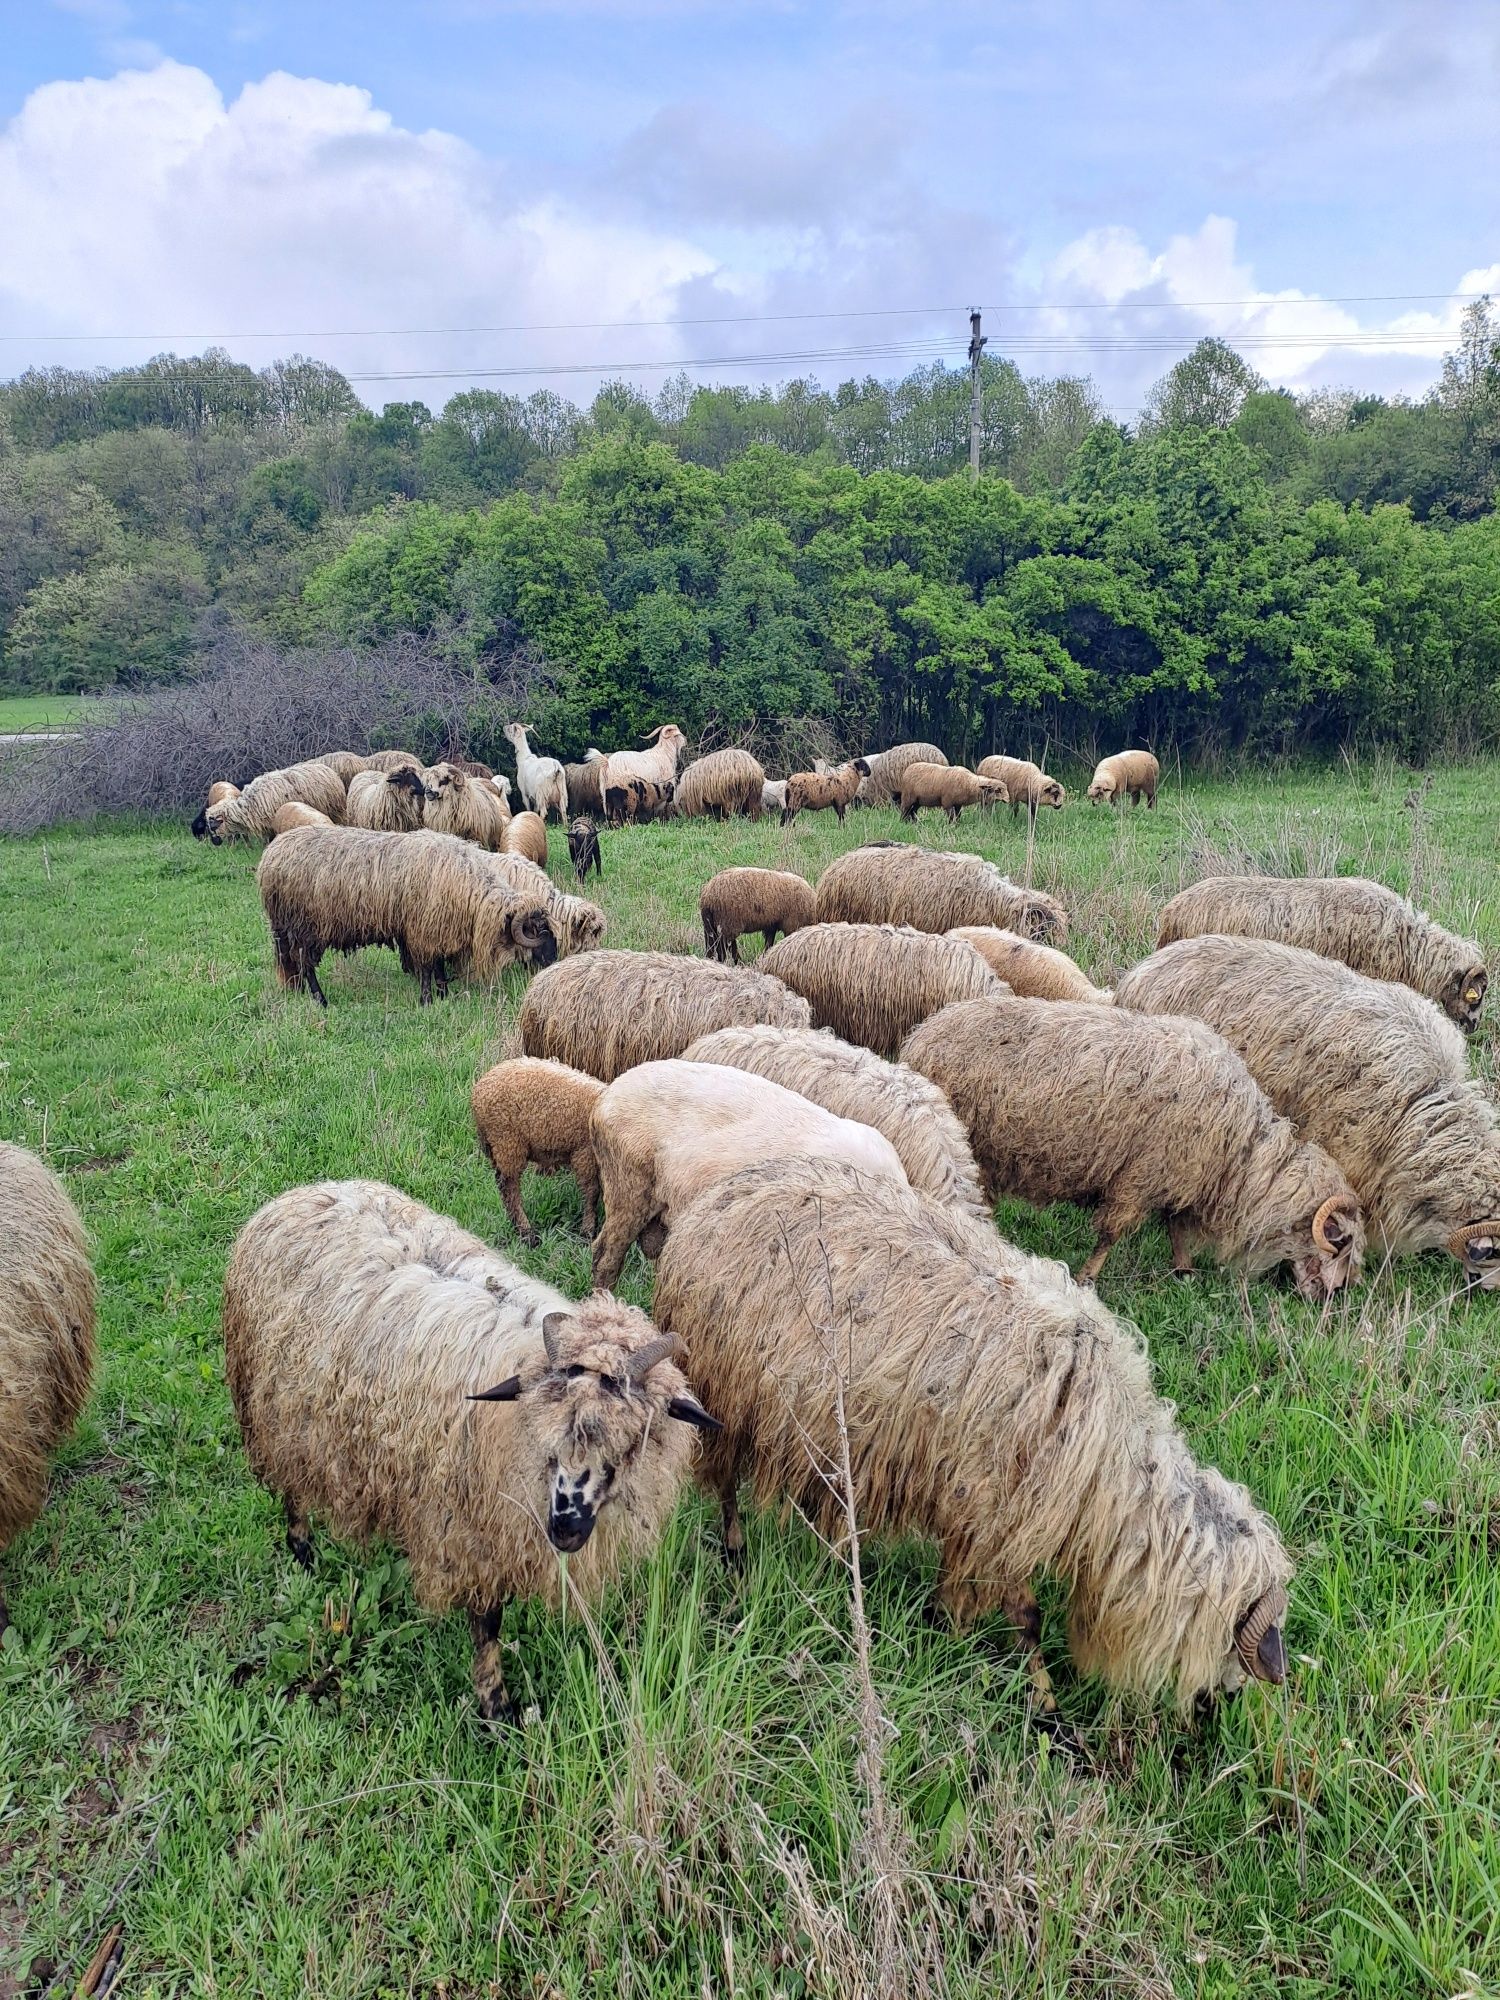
<point>976,348</point>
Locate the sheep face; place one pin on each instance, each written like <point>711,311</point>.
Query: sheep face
<point>213,822</point>
<point>590,1413</point>
<point>407,778</point>
<point>993,792</point>
<point>1052,794</point>
<point>1463,997</point>
<point>440,782</point>
<point>1102,789</point>
<point>1477,1247</point>
<point>1326,1254</point>
<point>505,931</point>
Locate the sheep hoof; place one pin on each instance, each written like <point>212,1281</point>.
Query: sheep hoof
<point>301,1550</point>
<point>1183,1272</point>
<point>529,1237</point>
<point>496,1705</point>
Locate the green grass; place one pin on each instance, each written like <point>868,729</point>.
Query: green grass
<point>39,711</point>
<point>687,1815</point>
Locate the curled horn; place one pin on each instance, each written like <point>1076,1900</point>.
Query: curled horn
<point>639,1365</point>
<point>1323,1232</point>
<point>552,1327</point>
<point>1258,1643</point>
<point>1476,1242</point>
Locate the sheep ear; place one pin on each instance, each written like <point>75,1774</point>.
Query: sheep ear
<point>552,1332</point>
<point>503,1392</point>
<point>688,1410</point>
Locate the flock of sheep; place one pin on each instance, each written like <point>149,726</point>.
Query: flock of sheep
<point>810,1150</point>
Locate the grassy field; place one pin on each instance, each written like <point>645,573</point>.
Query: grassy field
<point>38,711</point>
<point>277,1782</point>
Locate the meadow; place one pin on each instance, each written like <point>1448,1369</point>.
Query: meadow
<point>38,711</point>
<point>277,1782</point>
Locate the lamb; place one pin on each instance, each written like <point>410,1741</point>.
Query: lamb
<point>610,1010</point>
<point>887,883</point>
<point>362,1333</point>
<point>664,1131</point>
<point>293,814</point>
<point>1027,784</point>
<point>816,791</point>
<point>1367,926</point>
<point>883,786</point>
<point>1363,1067</point>
<point>872,983</point>
<point>533,1113</point>
<point>949,786</point>
<point>1064,1101</point>
<point>438,900</point>
<point>986,1403</point>
<point>585,793</point>
<point>738,900</point>
<point>583,848</point>
<point>773,795</point>
<point>1035,971</point>
<point>220,790</point>
<point>720,785</point>
<point>346,764</point>
<point>469,808</point>
<point>387,801</point>
<point>526,834</point>
<point>639,799</point>
<point>46,1333</point>
<point>1129,771</point>
<point>248,816</point>
<point>544,789</point>
<point>579,925</point>
<point>854,1083</point>
<point>658,765</point>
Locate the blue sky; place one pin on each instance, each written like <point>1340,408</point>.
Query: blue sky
<point>1100,177</point>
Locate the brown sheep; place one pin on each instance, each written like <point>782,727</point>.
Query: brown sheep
<point>438,900</point>
<point>1367,926</point>
<point>949,786</point>
<point>738,900</point>
<point>609,1010</point>
<point>1034,971</point>
<point>637,799</point>
<point>287,817</point>
<point>346,764</point>
<point>585,792</point>
<point>1132,772</point>
<point>533,1113</point>
<point>469,808</point>
<point>883,786</point>
<point>889,883</point>
<point>583,848</point>
<point>220,790</point>
<point>1365,1068</point>
<point>1138,1115</point>
<point>720,785</point>
<point>856,1083</point>
<point>526,834</point>
<point>579,924</point>
<point>362,1336</point>
<point>817,791</point>
<point>46,1333</point>
<point>249,814</point>
<point>986,1403</point>
<point>386,801</point>
<point>872,983</point>
<point>1025,782</point>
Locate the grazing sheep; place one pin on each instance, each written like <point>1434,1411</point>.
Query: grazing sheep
<point>387,801</point>
<point>1034,971</point>
<point>579,924</point>
<point>1365,1068</point>
<point>526,834</point>
<point>533,1113</point>
<point>362,1334</point>
<point>1138,1116</point>
<point>949,786</point>
<point>391,760</point>
<point>585,792</point>
<point>583,848</point>
<point>469,808</point>
<point>46,1333</point>
<point>664,1131</point>
<point>872,983</point>
<point>609,1010</point>
<point>438,900</point>
<point>544,789</point>
<point>816,791</point>
<point>293,815</point>
<point>773,795</point>
<point>738,900</point>
<point>346,764</point>
<point>883,786</point>
<point>639,799</point>
<point>1135,772</point>
<point>855,1083</point>
<point>720,785</point>
<point>220,790</point>
<point>986,1403</point>
<point>888,883</point>
<point>249,814</point>
<point>1369,927</point>
<point>1026,783</point>
<point>658,765</point>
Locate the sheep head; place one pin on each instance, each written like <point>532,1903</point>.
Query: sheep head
<point>515,732</point>
<point>594,1404</point>
<point>1259,1649</point>
<point>994,792</point>
<point>1338,1246</point>
<point>407,778</point>
<point>1463,997</point>
<point>439,781</point>
<point>1053,794</point>
<point>665,732</point>
<point>1101,789</point>
<point>1477,1248</point>
<point>510,927</point>
<point>861,765</point>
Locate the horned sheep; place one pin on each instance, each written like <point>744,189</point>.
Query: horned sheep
<point>856,1083</point>
<point>387,801</point>
<point>721,785</point>
<point>1026,783</point>
<point>468,808</point>
<point>933,890</point>
<point>1367,926</point>
<point>249,815</point>
<point>986,1403</point>
<point>526,834</point>
<point>820,791</point>
<point>664,1131</point>
<point>1364,1067</point>
<point>949,786</point>
<point>46,1333</point>
<point>398,1379</point>
<point>1070,1102</point>
<point>738,900</point>
<point>579,924</point>
<point>1035,971</point>
<point>872,983</point>
<point>609,1010</point>
<point>1135,773</point>
<point>657,765</point>
<point>544,789</point>
<point>883,786</point>
<point>529,1112</point>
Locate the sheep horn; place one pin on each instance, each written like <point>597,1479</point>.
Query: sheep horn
<point>1333,1212</point>
<point>1258,1643</point>
<point>1476,1242</point>
<point>503,1392</point>
<point>552,1329</point>
<point>639,1365</point>
<point>651,738</point>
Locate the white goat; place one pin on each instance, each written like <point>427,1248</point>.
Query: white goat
<point>543,785</point>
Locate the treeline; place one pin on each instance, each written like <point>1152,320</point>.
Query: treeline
<point>1249,569</point>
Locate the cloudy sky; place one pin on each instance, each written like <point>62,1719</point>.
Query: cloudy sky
<point>528,193</point>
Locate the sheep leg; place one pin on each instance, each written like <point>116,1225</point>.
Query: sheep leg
<point>586,1173</point>
<point>495,1703</point>
<point>440,975</point>
<point>728,1486</point>
<point>653,1239</point>
<point>1183,1236</point>
<point>310,977</point>
<point>298,1532</point>
<point>838,811</point>
<point>1025,1614</point>
<point>788,814</point>
<point>510,1194</point>
<point>424,987</point>
<point>626,1214</point>
<point>769,935</point>
<point>1112,1223</point>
